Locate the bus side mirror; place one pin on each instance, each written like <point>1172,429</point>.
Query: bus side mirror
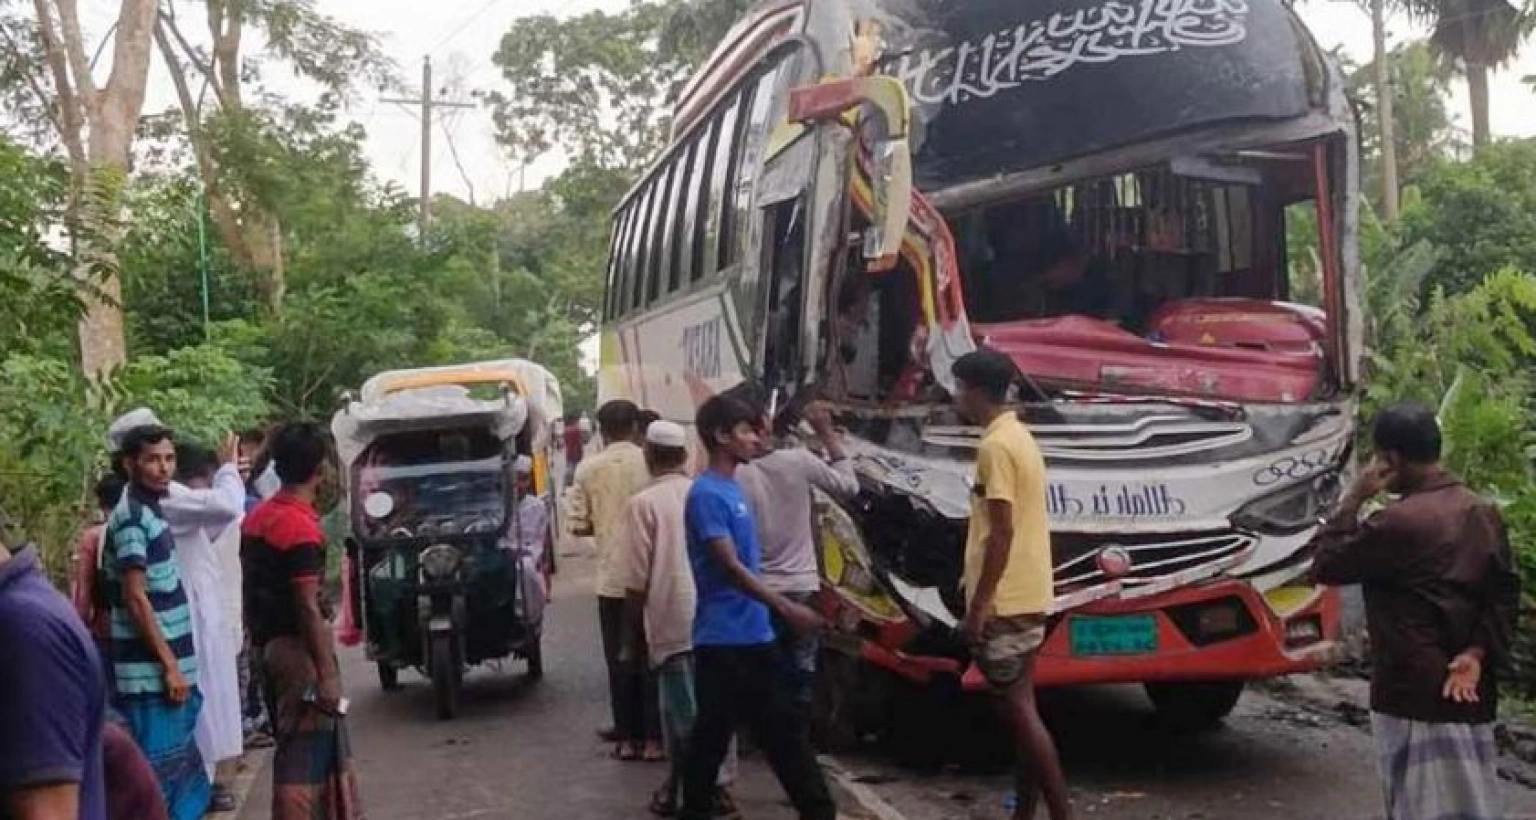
<point>889,158</point>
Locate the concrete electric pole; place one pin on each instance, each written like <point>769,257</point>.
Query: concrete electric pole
<point>428,104</point>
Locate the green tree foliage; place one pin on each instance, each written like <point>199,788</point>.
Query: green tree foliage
<point>1478,36</point>
<point>1423,127</point>
<point>1480,215</point>
<point>53,426</point>
<point>41,303</point>
<point>600,86</point>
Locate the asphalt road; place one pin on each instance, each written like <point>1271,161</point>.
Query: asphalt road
<point>516,750</point>
<point>529,752</point>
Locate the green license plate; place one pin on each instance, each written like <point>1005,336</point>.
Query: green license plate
<point>1117,635</point>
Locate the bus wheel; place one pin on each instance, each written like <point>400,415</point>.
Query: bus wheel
<point>834,726</point>
<point>1194,706</point>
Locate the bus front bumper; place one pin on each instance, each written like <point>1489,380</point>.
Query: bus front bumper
<point>1222,630</point>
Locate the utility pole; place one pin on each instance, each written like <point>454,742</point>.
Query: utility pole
<point>427,104</point>
<point>1385,115</point>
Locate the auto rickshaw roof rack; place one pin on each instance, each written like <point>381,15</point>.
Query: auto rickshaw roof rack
<point>434,397</point>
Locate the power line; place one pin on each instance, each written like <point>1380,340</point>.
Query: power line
<point>464,25</point>
<point>427,104</point>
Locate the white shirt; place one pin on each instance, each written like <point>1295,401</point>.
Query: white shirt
<point>778,486</point>
<point>532,524</point>
<point>654,559</point>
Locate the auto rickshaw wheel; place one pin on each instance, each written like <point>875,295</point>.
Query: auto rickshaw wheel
<point>536,659</point>
<point>389,676</point>
<point>443,663</point>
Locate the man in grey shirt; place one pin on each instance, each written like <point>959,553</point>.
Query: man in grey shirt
<point>778,486</point>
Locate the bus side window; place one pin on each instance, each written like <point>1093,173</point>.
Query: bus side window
<point>697,217</point>
<point>680,232</point>
<point>661,234</point>
<point>615,265</point>
<point>631,269</point>
<point>784,261</point>
<point>717,252</point>
<point>642,246</point>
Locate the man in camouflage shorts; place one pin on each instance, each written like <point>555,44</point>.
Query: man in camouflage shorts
<point>1007,577</point>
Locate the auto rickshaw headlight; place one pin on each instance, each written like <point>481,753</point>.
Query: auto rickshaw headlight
<point>439,562</point>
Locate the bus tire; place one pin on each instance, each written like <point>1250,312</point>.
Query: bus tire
<point>1194,706</point>
<point>834,725</point>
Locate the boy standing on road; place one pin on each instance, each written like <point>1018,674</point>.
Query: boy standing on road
<point>282,550</point>
<point>604,484</point>
<point>737,663</point>
<point>1008,587</point>
<point>660,600</point>
<point>154,658</point>
<point>779,487</point>
<point>1441,599</point>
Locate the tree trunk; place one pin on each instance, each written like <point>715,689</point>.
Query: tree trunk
<point>1385,115</point>
<point>1477,88</point>
<point>250,236</point>
<point>113,116</point>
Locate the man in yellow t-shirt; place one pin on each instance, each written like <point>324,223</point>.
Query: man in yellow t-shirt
<point>1008,586</point>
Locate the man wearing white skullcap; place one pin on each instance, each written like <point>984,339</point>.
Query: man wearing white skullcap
<point>139,417</point>
<point>660,598</point>
<point>531,539</point>
<point>204,523</point>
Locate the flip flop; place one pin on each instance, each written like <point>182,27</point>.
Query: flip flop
<point>626,752</point>
<point>663,802</point>
<point>724,805</point>
<point>221,802</point>
<point>653,753</point>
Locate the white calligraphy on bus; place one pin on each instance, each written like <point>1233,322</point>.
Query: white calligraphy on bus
<point>1042,49</point>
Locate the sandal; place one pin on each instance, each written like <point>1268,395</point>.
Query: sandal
<point>664,801</point>
<point>653,752</point>
<point>626,751</point>
<point>221,801</point>
<point>724,805</point>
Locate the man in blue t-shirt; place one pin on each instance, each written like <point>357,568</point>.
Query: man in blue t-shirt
<point>738,675</point>
<point>52,700</point>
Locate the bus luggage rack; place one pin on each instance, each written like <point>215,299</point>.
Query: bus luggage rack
<point>1158,562</point>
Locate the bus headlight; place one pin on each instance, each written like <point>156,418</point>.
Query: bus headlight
<point>439,562</point>
<point>1290,511</point>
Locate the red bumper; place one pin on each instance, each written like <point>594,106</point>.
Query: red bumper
<point>1262,652</point>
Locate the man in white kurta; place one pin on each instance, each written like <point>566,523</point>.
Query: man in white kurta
<point>201,511</point>
<point>529,540</point>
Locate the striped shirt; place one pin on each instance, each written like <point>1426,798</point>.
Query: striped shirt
<point>138,538</point>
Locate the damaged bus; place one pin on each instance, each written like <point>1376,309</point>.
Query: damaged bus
<point>1149,205</point>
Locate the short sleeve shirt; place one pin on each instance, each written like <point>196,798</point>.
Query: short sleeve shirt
<point>138,538</point>
<point>654,560</point>
<point>281,543</point>
<point>605,483</point>
<point>52,690</point>
<point>1009,467</point>
<point>724,616</point>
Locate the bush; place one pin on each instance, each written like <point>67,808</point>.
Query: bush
<point>53,427</point>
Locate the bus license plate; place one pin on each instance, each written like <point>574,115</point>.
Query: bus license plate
<point>1116,635</point>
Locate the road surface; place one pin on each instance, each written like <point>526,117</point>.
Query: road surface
<point>529,752</point>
